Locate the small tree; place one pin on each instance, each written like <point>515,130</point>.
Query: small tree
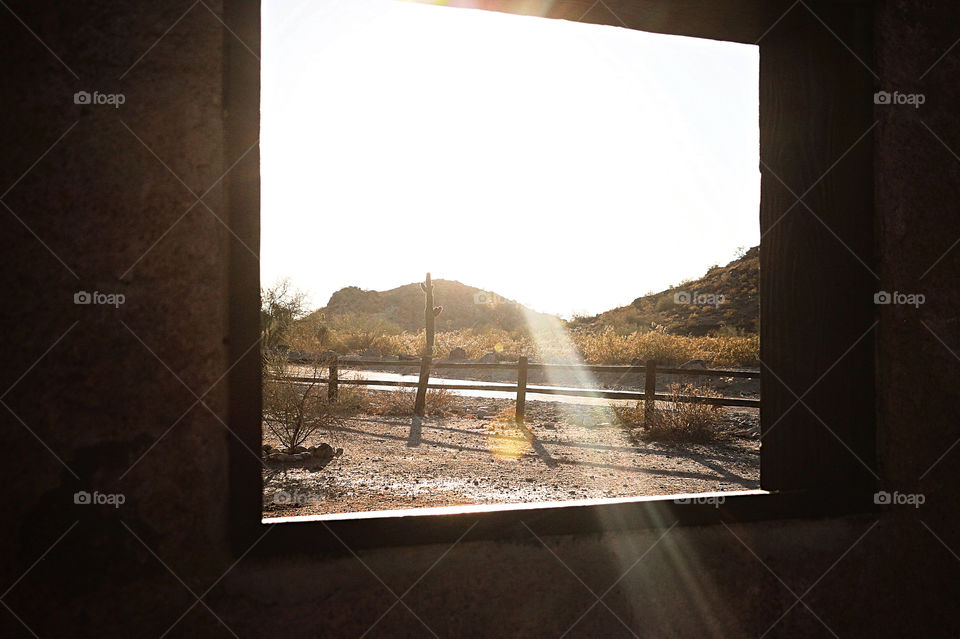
<point>293,410</point>
<point>280,306</point>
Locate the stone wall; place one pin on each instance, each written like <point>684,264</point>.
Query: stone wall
<point>106,398</point>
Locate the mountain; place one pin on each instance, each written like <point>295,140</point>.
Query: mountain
<point>724,301</point>
<point>463,307</point>
<point>695,307</point>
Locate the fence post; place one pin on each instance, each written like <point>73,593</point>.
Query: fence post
<point>332,378</point>
<point>521,389</point>
<point>650,389</point>
<point>420,405</point>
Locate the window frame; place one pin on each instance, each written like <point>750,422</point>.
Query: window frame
<point>818,454</point>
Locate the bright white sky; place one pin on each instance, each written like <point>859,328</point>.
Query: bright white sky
<point>569,166</point>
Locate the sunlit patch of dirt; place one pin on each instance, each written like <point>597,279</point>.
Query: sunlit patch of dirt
<point>483,457</point>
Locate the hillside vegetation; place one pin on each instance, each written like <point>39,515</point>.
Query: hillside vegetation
<point>737,312</point>
<point>666,326</point>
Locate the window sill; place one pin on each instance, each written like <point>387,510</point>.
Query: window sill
<point>338,534</point>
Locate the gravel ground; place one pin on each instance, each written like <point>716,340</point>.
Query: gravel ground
<point>478,455</point>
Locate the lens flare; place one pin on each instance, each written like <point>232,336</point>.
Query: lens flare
<point>552,342</point>
<point>506,439</point>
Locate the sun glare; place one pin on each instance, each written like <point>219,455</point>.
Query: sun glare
<point>568,166</point>
<point>540,173</point>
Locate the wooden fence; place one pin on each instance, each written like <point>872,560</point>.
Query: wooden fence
<point>650,370</point>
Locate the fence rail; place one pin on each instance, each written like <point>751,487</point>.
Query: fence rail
<point>650,370</point>
<point>593,368</point>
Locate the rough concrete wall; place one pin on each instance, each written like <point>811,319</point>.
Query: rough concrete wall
<point>99,399</point>
<point>102,210</point>
<point>918,201</point>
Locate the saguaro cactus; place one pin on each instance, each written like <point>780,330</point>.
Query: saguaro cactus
<point>430,313</point>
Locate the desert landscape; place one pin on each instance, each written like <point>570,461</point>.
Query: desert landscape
<point>368,444</point>
<point>479,455</point>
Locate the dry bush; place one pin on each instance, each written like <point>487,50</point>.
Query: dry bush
<point>605,346</point>
<point>358,332</point>
<point>681,421</point>
<point>630,417</point>
<point>293,411</point>
<point>477,343</point>
<point>281,307</point>
<point>440,402</point>
<point>398,403</point>
<point>311,335</point>
<point>736,350</point>
<point>391,403</point>
<point>351,399</point>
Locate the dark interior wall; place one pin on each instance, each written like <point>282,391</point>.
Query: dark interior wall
<point>112,405</point>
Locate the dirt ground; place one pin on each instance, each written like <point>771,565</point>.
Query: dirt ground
<point>563,452</point>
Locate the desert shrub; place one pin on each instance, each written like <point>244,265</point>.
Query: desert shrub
<point>293,411</point>
<point>594,346</point>
<point>665,303</point>
<point>281,306</point>
<point>440,401</point>
<point>357,332</point>
<point>741,350</point>
<point>399,403</point>
<point>354,398</point>
<point>311,334</point>
<point>390,403</point>
<point>476,342</point>
<point>607,347</point>
<point>351,398</point>
<point>680,421</point>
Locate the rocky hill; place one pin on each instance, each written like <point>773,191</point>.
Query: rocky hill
<point>463,307</point>
<point>724,301</point>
